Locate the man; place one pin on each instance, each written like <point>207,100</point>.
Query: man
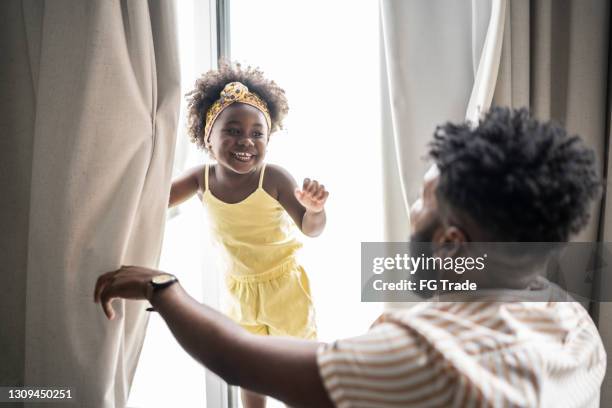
<point>510,178</point>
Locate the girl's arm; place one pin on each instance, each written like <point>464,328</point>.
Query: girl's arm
<point>185,186</point>
<point>306,205</point>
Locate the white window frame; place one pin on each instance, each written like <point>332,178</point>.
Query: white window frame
<point>218,393</point>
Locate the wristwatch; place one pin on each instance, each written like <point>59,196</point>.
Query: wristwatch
<point>157,283</point>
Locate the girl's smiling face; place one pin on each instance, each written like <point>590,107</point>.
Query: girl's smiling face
<point>239,138</point>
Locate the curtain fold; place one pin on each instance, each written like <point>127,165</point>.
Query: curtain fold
<point>440,63</point>
<point>105,85</point>
<point>488,65</point>
<point>17,113</point>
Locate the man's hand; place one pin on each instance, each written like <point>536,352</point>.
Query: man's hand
<point>220,344</point>
<point>128,282</point>
<point>312,195</point>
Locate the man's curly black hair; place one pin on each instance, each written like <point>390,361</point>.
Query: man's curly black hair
<point>208,89</point>
<point>520,179</point>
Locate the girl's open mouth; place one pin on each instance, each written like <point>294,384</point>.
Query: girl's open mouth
<point>242,156</point>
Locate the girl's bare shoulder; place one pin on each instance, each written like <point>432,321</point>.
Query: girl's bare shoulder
<point>196,173</point>
<point>277,179</point>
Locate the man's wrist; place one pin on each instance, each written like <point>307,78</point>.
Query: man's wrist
<point>149,291</point>
<point>159,297</point>
<point>157,285</point>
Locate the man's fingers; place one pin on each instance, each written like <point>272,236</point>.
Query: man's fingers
<point>101,283</point>
<point>108,309</point>
<point>305,184</point>
<point>106,299</point>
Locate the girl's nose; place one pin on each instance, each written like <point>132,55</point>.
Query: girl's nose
<point>245,141</point>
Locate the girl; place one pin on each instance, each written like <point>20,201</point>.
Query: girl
<point>232,112</point>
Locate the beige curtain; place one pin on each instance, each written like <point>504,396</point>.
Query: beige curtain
<point>554,59</point>
<point>433,52</point>
<point>90,99</point>
<point>560,51</point>
<point>440,62</point>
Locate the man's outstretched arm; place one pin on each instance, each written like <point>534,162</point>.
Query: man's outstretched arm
<point>283,368</point>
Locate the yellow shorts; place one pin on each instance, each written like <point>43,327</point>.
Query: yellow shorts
<point>274,303</point>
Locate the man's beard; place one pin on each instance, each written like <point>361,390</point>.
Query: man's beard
<point>421,245</point>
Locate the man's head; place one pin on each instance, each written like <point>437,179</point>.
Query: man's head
<point>510,178</point>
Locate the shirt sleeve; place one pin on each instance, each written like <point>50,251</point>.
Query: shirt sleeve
<point>390,366</point>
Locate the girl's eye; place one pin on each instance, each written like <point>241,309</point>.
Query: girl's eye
<point>233,132</point>
<point>257,134</point>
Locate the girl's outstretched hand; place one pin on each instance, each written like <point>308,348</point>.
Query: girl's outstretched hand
<point>312,195</point>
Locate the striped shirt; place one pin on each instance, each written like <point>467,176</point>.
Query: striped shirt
<point>482,353</point>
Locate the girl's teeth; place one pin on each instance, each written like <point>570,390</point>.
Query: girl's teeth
<point>243,156</point>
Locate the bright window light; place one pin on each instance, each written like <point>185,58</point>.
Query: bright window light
<point>325,54</point>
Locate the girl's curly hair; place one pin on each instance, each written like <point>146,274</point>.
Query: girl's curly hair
<point>208,89</point>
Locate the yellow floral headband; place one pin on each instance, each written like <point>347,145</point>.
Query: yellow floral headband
<point>231,93</point>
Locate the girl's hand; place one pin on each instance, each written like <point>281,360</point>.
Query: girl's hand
<point>312,195</point>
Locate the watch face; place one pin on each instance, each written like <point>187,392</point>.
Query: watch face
<point>163,278</point>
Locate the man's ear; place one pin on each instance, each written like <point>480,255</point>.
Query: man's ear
<point>454,235</point>
<point>448,242</point>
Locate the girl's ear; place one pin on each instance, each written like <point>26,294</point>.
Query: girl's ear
<point>208,147</point>
<point>210,152</point>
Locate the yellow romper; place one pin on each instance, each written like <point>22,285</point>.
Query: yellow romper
<point>269,291</point>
